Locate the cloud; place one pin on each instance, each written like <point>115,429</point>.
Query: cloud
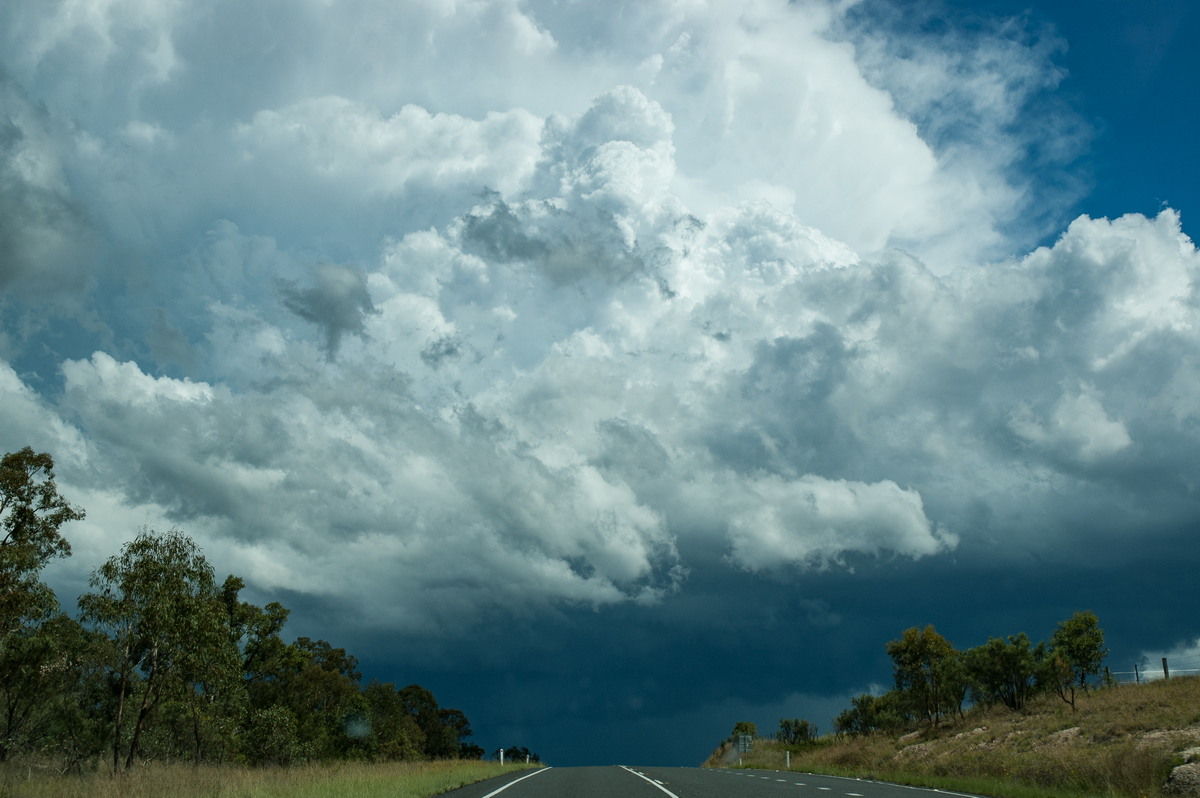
<point>812,521</point>
<point>982,94</point>
<point>1078,427</point>
<point>463,320</point>
<point>1181,659</point>
<point>337,302</point>
<point>43,231</point>
<point>346,146</point>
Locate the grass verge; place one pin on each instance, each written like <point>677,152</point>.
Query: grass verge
<point>335,780</point>
<point>1121,742</point>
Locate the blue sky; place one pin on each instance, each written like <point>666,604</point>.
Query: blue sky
<point>618,371</point>
<point>1129,72</point>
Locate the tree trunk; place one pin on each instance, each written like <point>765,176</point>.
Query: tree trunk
<point>145,708</point>
<point>117,720</point>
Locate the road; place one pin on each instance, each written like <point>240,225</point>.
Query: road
<point>654,782</point>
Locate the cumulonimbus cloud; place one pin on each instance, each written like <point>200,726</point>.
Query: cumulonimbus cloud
<point>595,326</point>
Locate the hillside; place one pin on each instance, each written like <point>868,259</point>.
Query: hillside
<point>1130,740</point>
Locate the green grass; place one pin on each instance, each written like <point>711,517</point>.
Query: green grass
<point>338,780</point>
<point>1121,742</point>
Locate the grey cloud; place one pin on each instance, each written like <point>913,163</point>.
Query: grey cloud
<point>168,345</point>
<point>43,230</point>
<point>337,302</point>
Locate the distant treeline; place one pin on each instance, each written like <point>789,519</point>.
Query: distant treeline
<point>934,680</point>
<point>165,663</point>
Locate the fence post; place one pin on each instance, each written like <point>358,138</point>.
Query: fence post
<point>1137,677</point>
<point>1166,672</point>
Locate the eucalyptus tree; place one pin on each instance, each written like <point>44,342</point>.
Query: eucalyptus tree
<point>32,513</point>
<point>168,634</point>
<point>920,661</point>
<point>1076,654</point>
<point>33,633</point>
<point>1005,670</point>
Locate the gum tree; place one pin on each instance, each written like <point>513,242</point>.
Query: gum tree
<point>31,515</point>
<point>33,634</point>
<point>1005,671</point>
<point>919,661</point>
<point>158,604</point>
<point>1076,654</point>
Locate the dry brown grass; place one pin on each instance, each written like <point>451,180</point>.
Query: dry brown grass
<point>1121,741</point>
<point>362,780</point>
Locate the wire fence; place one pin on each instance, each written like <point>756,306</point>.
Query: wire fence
<point>1153,671</point>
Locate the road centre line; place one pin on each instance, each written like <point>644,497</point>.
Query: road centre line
<point>647,780</point>
<point>514,781</point>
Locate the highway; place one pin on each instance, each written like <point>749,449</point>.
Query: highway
<point>657,782</point>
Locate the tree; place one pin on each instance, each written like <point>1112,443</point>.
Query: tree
<point>255,632</point>
<point>516,753</point>
<point>31,514</point>
<point>442,740</point>
<point>1076,653</point>
<point>744,727</point>
<point>38,666</point>
<point>157,601</point>
<point>919,658</point>
<point>396,733</point>
<point>1005,671</point>
<point>319,684</point>
<point>270,737</point>
<point>1080,641</point>
<point>859,719</point>
<point>796,731</point>
<point>34,635</point>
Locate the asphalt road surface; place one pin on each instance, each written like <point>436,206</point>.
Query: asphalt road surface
<point>651,782</point>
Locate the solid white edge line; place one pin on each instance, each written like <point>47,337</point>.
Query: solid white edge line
<point>794,773</point>
<point>514,781</point>
<point>647,780</point>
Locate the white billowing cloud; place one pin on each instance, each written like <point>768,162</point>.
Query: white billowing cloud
<point>982,98</point>
<point>28,420</point>
<point>814,521</point>
<point>365,97</point>
<point>99,31</point>
<point>1078,427</point>
<point>381,323</point>
<point>281,481</point>
<point>348,146</point>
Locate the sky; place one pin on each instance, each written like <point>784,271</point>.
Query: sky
<point>619,371</point>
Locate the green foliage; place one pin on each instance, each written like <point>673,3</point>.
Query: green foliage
<point>744,727</point>
<point>933,679</point>
<point>919,660</point>
<point>31,514</point>
<point>517,755</point>
<point>397,735</point>
<point>270,737</point>
<point>169,665</point>
<point>1079,645</point>
<point>1005,671</point>
<point>157,602</point>
<point>796,731</point>
<point>36,653</point>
